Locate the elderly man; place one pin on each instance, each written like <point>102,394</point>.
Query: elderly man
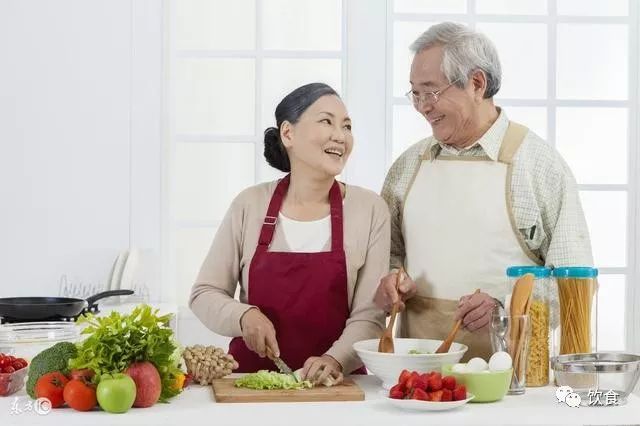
<point>483,193</point>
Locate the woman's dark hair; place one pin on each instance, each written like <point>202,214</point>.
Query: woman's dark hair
<point>290,109</point>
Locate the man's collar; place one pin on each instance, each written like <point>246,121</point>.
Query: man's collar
<point>490,142</point>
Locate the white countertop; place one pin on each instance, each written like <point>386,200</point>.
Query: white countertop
<point>197,406</point>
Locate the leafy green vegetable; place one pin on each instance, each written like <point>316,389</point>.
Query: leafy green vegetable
<point>264,379</point>
<point>55,358</point>
<point>116,341</point>
<point>417,352</point>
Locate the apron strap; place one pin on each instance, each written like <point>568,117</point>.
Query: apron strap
<point>271,219</point>
<point>335,200</point>
<point>513,138</point>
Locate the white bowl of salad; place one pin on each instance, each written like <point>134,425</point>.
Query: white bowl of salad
<point>410,354</point>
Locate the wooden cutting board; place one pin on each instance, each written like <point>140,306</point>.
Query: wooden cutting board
<point>224,390</point>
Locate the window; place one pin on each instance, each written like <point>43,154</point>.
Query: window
<point>229,63</point>
<point>574,90</point>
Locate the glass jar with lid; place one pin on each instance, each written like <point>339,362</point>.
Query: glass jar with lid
<point>577,287</point>
<point>540,343</point>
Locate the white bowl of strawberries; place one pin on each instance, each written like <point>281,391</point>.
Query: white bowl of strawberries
<point>427,392</point>
<point>410,354</point>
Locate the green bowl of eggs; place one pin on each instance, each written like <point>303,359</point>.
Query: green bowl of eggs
<point>489,382</point>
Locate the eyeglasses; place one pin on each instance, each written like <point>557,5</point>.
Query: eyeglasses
<point>428,98</point>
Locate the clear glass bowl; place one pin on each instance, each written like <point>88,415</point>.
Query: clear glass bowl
<point>11,383</point>
<point>26,340</point>
<point>594,375</point>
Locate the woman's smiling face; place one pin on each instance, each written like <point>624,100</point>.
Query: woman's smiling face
<point>321,140</point>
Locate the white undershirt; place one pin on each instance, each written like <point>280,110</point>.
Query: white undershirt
<point>306,237</point>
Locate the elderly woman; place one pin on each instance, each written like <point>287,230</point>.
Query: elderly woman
<point>453,228</point>
<point>307,251</point>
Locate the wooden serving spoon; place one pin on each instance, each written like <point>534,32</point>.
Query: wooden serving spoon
<point>386,340</point>
<point>446,343</point>
<point>520,305</point>
<point>520,302</point>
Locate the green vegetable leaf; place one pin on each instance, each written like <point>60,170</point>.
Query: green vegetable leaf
<point>116,341</point>
<point>264,379</point>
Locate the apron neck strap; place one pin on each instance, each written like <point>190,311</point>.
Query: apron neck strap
<point>271,219</point>
<point>335,201</point>
<point>513,138</point>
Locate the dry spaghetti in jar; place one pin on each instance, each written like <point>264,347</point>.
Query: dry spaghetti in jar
<point>577,287</point>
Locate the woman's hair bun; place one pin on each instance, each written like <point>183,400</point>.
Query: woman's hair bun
<point>274,150</point>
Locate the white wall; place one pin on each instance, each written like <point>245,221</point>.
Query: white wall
<point>80,138</point>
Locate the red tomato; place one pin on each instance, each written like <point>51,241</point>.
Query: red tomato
<point>83,374</point>
<point>51,386</point>
<point>80,395</point>
<point>8,370</point>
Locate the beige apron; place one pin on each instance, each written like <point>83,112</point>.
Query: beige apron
<point>459,235</point>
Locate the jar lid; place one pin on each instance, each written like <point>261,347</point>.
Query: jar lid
<point>537,271</point>
<point>575,272</point>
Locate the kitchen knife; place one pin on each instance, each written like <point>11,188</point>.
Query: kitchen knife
<point>282,366</point>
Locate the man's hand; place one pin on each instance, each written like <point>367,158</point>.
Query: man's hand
<point>475,310</point>
<point>258,333</point>
<point>386,294</point>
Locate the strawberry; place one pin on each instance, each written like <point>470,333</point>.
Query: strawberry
<point>435,382</point>
<point>404,376</point>
<point>460,393</point>
<point>436,396</point>
<point>420,394</point>
<point>396,394</point>
<point>449,382</point>
<point>411,381</point>
<point>422,382</point>
<point>397,389</point>
<point>447,395</point>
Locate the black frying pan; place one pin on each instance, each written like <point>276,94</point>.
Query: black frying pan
<point>40,308</point>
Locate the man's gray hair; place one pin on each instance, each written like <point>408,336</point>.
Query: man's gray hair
<point>464,51</point>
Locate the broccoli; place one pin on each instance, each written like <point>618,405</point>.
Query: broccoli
<point>55,358</point>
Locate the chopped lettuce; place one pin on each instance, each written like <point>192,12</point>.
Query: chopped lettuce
<point>417,352</point>
<point>264,379</point>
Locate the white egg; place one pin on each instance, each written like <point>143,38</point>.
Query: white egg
<point>500,361</point>
<point>459,368</point>
<point>476,365</point>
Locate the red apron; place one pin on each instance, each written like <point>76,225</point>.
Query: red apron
<point>303,294</point>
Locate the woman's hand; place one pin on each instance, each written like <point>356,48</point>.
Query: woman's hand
<point>317,369</point>
<point>258,333</point>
